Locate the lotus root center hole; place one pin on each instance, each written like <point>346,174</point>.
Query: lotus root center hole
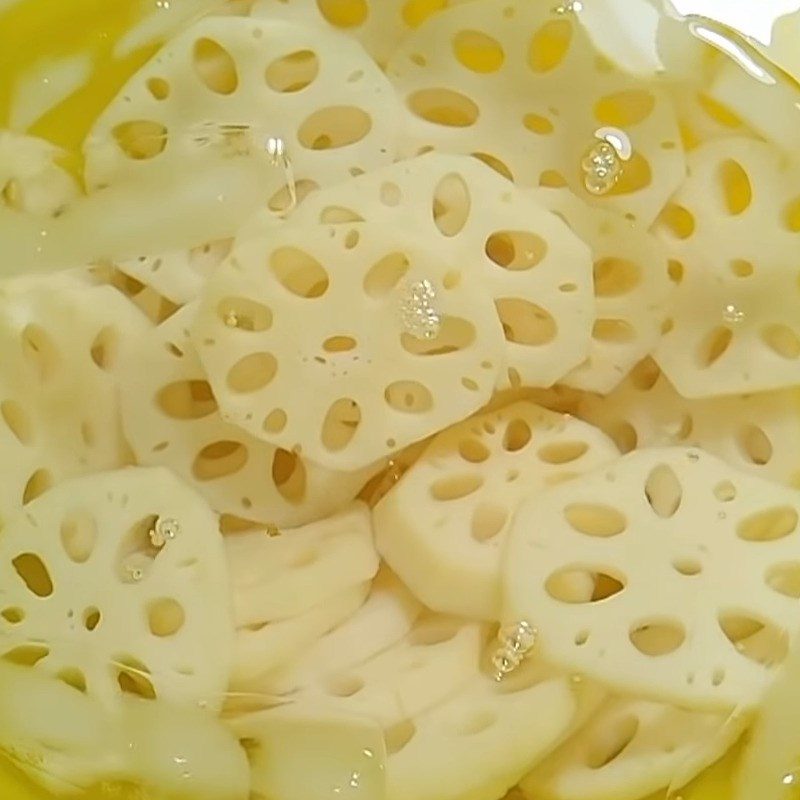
<point>526,323</point>
<point>713,347</point>
<point>688,567</point>
<point>765,644</point>
<point>768,525</point>
<point>782,341</point>
<point>473,450</point>
<point>452,204</point>
<point>334,127</point>
<point>27,655</point>
<point>289,476</point>
<point>215,67</point>
<point>785,579</point>
<point>658,638</point>
<point>293,72</point>
<point>17,421</point>
<point>341,424</point>
<point>737,193</point>
<point>581,584</point>
<point>386,274</point>
<point>13,615</point>
<point>398,736</point>
<point>133,678</point>
<point>165,617</point>
<point>678,221</point>
<point>615,277</point>
<point>339,344</point>
<point>725,492</point>
<point>187,400</point>
<point>158,87</point>
<point>455,487</point>
<point>517,435</point>
<point>445,107</point>
<point>558,453</point>
<point>344,13</point>
<point>549,45</point>
<point>140,139</point>
<point>275,421</point>
<point>74,678</point>
<point>488,520</point>
<point>754,445</point>
<point>91,618</point>
<point>219,460</point>
<point>299,272</point>
<point>663,491</point>
<point>252,373</point>
<point>516,250</point>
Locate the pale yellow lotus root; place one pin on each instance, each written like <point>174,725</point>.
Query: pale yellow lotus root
<point>695,573</point>
<point>226,85</point>
<point>385,618</point>
<point>277,577</point>
<point>178,275</point>
<point>725,337</point>
<point>266,646</point>
<point>304,340</point>
<point>489,79</point>
<point>58,400</point>
<point>481,740</point>
<point>116,583</point>
<point>632,291</point>
<point>537,272</point>
<point>444,526</point>
<point>31,179</point>
<point>380,25</point>
<point>171,418</point>
<point>631,749</point>
<point>757,433</point>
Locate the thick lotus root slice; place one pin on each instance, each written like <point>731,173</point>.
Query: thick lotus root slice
<point>482,740</point>
<point>178,275</point>
<point>299,752</point>
<point>171,418</point>
<point>632,748</point>
<point>631,286</point>
<point>695,577</point>
<point>31,179</point>
<point>497,92</point>
<point>277,577</point>
<point>320,307</point>
<point>444,526</point>
<point>226,85</point>
<point>537,272</point>
<point>116,583</point>
<point>265,646</point>
<point>380,25</point>
<point>725,337</point>
<point>58,397</point>
<point>385,618</point>
<point>757,433</point>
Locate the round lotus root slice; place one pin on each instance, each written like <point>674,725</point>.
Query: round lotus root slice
<point>265,646</point>
<point>535,269</point>
<point>724,337</point>
<point>178,275</point>
<point>59,411</point>
<point>633,748</point>
<point>481,740</point>
<point>632,290</point>
<point>171,418</point>
<point>31,179</point>
<point>226,86</point>
<point>385,618</point>
<point>695,572</point>
<point>116,583</point>
<point>757,433</point>
<point>346,343</point>
<point>496,91</point>
<point>379,25</point>
<point>277,577</point>
<point>444,526</point>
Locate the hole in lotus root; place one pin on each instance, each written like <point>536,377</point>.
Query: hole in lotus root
<point>714,345</point>
<point>219,460</point>
<point>344,13</point>
<point>104,347</point>
<point>386,274</point>
<point>782,340</point>
<point>298,272</point>
<point>663,491</point>
<point>40,351</point>
<point>133,677</point>
<point>725,492</point>
<point>644,376</point>
<point>785,579</point>
<point>594,519</point>
<point>538,124</point>
<point>493,162</point>
<point>763,643</point>
<point>252,372</point>
<point>73,677</point>
<point>614,277</point>
<point>410,397</point>
<point>737,192</point>
<point>475,722</point>
<point>284,200</point>
<point>768,525</point>
<point>340,425</point>
<point>452,204</point>
<point>27,655</point>
<point>517,435</point>
<point>488,519</point>
<point>562,452</point>
<point>140,139</point>
<point>336,215</point>
<point>136,552</point>
<point>289,475</point>
<point>91,618</point>
<point>244,314</point>
<point>516,250</point>
<point>33,572</point>
<point>344,685</point>
<point>158,88</point>
<point>38,483</point>
<point>613,742</point>
<point>581,584</point>
<point>13,615</point>
<point>293,72</point>
<point>473,451</point>
<point>624,436</point>
<point>455,334</point>
<point>754,445</point>
<point>215,67</point>
<point>454,487</point>
<point>334,127</point>
<point>398,736</point>
<point>688,567</point>
<point>625,109</point>
<point>478,52</point>
<point>186,400</point>
<point>677,220</point>
<point>165,617</point>
<point>444,107</point>
<point>275,421</point>
<point>552,179</point>
<point>525,322</point>
<point>17,420</point>
<point>635,177</point>
<point>657,638</point>
<point>549,45</point>
<point>78,535</point>
<point>791,216</point>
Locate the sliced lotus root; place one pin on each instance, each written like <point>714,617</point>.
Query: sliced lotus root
<point>226,85</point>
<point>276,577</point>
<point>321,308</point>
<point>116,583</point>
<point>385,618</point>
<point>444,526</point>
<point>480,742</point>
<point>263,647</point>
<point>31,179</point>
<point>734,324</point>
<point>299,752</point>
<point>757,433</point>
<point>380,25</point>
<point>58,398</point>
<point>632,748</point>
<point>178,275</point>
<point>68,742</point>
<point>694,565</point>
<point>498,92</point>
<point>631,286</point>
<point>171,418</point>
<point>536,271</point>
